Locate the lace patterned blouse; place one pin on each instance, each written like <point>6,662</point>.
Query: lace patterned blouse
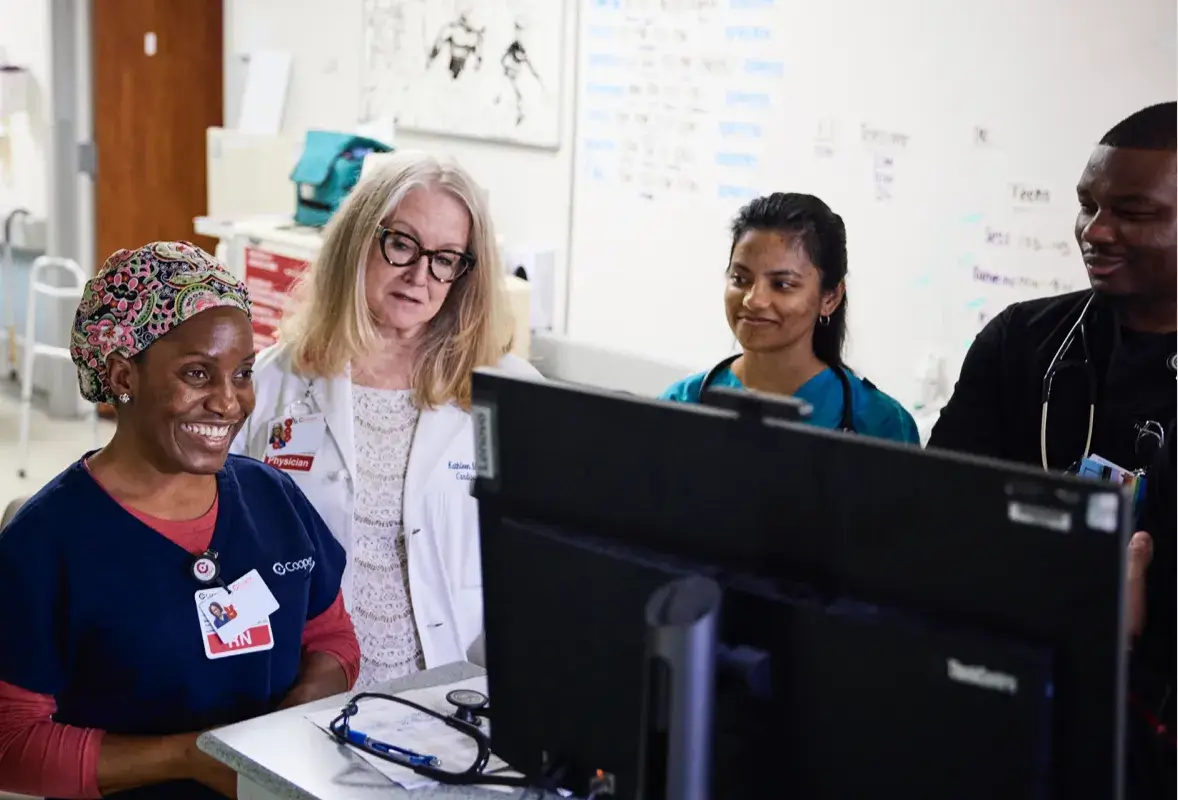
<point>381,608</point>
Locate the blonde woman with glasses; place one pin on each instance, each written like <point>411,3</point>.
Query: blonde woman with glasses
<point>365,402</point>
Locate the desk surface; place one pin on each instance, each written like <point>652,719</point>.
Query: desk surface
<point>290,758</point>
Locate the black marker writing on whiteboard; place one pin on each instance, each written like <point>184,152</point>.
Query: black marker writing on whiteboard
<point>1029,195</point>
<point>875,136</point>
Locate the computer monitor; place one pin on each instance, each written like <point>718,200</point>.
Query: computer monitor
<point>895,622</point>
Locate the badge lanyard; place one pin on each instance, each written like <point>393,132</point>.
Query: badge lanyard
<point>206,568</point>
<point>302,406</point>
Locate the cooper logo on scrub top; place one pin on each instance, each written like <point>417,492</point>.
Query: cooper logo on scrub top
<point>283,567</point>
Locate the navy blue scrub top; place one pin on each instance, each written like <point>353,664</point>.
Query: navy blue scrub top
<point>101,609</point>
<point>873,412</point>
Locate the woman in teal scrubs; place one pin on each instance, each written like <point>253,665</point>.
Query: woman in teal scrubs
<point>786,301</point>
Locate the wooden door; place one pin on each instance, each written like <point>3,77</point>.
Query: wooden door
<point>157,88</point>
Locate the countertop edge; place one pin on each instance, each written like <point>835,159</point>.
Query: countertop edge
<point>246,767</point>
<point>212,745</point>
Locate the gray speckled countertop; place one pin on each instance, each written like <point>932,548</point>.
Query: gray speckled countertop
<point>287,756</point>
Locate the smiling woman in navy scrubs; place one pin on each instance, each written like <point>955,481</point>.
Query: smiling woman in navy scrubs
<point>787,306</point>
<point>111,665</point>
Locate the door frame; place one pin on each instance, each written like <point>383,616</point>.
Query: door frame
<point>71,185</point>
<point>70,191</point>
<point>72,174</point>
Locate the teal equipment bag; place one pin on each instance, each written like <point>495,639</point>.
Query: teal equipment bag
<point>327,170</point>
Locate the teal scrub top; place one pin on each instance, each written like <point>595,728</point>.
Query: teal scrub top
<point>873,412</point>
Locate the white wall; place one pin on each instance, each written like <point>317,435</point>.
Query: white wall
<point>530,189</point>
<point>24,168</point>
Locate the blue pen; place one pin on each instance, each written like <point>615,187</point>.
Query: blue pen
<point>361,739</point>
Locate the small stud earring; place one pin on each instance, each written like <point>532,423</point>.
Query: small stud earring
<point>124,398</point>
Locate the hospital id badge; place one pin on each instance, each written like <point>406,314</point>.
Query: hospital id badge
<point>1102,469</point>
<point>245,603</point>
<point>255,638</point>
<point>293,442</point>
<point>1094,466</point>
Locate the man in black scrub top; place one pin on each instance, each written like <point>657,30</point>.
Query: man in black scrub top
<point>1126,231</point>
<point>1050,381</point>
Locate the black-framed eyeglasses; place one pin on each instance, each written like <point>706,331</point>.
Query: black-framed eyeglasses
<point>402,250</point>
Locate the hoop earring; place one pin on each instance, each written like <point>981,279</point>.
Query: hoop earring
<point>124,398</point>
<point>824,320</point>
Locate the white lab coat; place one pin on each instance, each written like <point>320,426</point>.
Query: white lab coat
<point>439,514</point>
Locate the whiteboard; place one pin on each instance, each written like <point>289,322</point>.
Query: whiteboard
<point>949,140</point>
<point>484,69</point>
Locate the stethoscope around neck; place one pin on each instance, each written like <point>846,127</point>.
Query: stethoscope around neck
<point>1147,432</point>
<point>846,422</point>
<point>1059,362</point>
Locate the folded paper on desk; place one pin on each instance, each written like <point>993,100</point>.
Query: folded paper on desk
<point>402,726</point>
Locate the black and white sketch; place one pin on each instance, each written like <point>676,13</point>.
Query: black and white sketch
<point>514,61</point>
<point>486,69</point>
<point>463,41</point>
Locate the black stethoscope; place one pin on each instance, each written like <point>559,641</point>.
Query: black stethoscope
<point>846,422</point>
<point>1059,362</point>
<point>470,706</point>
<point>1151,436</point>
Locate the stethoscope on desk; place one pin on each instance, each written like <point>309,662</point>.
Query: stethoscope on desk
<point>846,422</point>
<point>469,705</point>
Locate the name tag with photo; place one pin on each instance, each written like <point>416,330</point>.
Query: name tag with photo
<point>293,442</point>
<point>253,639</point>
<point>247,603</point>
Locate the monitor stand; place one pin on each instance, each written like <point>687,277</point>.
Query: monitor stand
<point>682,619</point>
